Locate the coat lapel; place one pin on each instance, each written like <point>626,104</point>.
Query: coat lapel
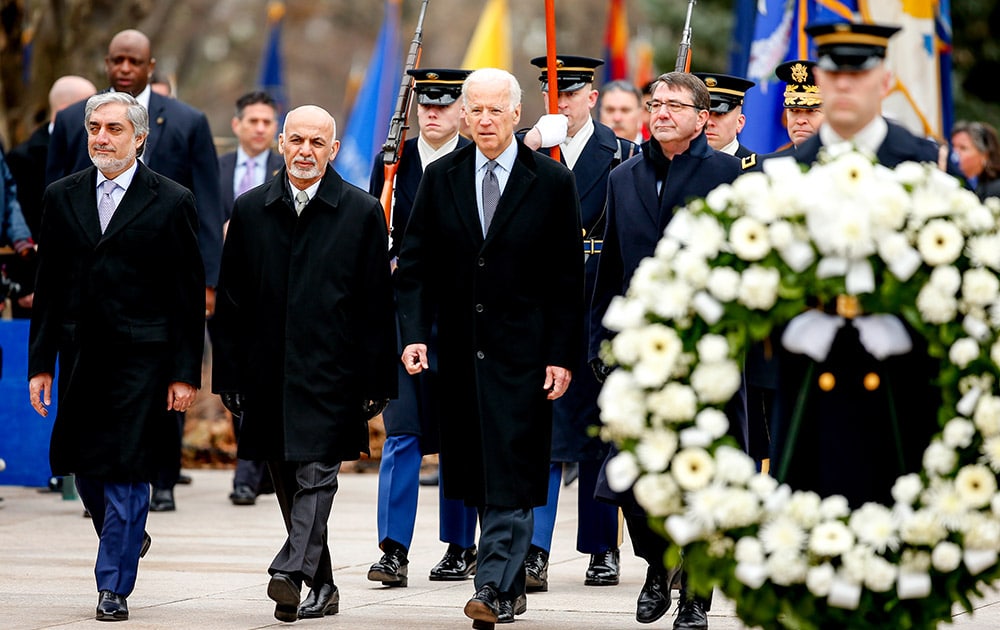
<point>464,192</point>
<point>645,186</point>
<point>522,176</point>
<point>82,195</point>
<point>141,192</point>
<point>595,160</point>
<point>157,119</point>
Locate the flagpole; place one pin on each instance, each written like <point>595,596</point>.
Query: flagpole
<point>550,63</point>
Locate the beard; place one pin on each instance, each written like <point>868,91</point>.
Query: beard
<point>110,164</point>
<point>312,172</point>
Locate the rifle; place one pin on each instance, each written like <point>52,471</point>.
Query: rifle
<point>392,150</point>
<point>683,63</point>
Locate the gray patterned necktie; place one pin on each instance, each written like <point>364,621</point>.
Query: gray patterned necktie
<point>301,199</point>
<point>491,194</point>
<point>246,183</point>
<point>106,206</point>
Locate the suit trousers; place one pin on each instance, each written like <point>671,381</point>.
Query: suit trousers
<point>597,522</point>
<point>504,540</point>
<point>118,512</point>
<point>305,492</point>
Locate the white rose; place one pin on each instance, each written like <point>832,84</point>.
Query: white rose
<point>985,250</point>
<point>712,348</point>
<point>720,198</point>
<point>667,248</point>
<point>895,250</point>
<point>672,299</point>
<point>623,405</point>
<point>624,313</point>
<point>963,352</point>
<point>880,574</point>
<point>622,470</point>
<point>890,205</point>
<point>980,286</point>
<point>693,468</point>
<point>939,459</point>
<point>909,173</point>
<point>946,556</point>
<point>958,433</point>
<point>830,538</point>
<point>762,485</point>
<point>724,283</point>
<point>781,233</point>
<point>712,421</point>
<point>946,279</point>
<point>655,449</point>
<point>707,236</point>
<point>749,239</point>
<point>691,267</point>
<point>658,494</point>
<point>716,382</point>
<point>991,449</point>
<point>819,579</point>
<point>987,415</point>
<point>995,353</point>
<point>759,287</point>
<point>674,403</point>
<point>907,488</point>
<point>936,307</point>
<point>738,509</point>
<point>625,346</point>
<point>834,507</point>
<point>749,550</point>
<point>977,217</point>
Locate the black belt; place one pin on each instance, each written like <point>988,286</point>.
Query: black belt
<point>592,246</point>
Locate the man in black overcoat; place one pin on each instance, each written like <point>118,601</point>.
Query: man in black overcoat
<point>493,250</point>
<point>120,302</point>
<point>305,343</point>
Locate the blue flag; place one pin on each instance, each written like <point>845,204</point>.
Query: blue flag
<point>368,122</point>
<point>272,67</point>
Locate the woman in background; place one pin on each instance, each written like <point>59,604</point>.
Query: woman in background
<point>977,150</point>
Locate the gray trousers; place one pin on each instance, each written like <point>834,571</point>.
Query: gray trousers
<point>504,539</point>
<point>305,492</point>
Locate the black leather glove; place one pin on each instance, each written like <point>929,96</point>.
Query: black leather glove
<point>601,370</point>
<point>372,408</point>
<point>233,401</point>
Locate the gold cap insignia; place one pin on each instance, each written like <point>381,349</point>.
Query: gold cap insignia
<point>710,82</point>
<point>433,76</point>
<point>799,73</point>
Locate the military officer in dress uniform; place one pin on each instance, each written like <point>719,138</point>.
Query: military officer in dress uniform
<point>726,119</point>
<point>803,105</point>
<point>867,419</point>
<point>411,421</point>
<point>591,150</point>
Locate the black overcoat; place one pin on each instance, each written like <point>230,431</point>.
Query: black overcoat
<point>124,312</point>
<point>507,306</point>
<point>304,320</point>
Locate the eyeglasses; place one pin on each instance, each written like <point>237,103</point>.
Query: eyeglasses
<point>674,107</point>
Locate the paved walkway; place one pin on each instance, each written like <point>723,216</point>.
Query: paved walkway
<point>207,569</point>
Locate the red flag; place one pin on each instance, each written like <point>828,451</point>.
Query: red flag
<point>616,42</point>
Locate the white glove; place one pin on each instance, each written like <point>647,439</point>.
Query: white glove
<point>552,128</point>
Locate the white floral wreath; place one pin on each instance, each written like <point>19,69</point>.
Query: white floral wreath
<point>745,259</point>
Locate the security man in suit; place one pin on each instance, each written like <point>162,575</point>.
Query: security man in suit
<point>119,302</point>
<point>180,147</point>
<point>726,119</point>
<point>591,150</point>
<point>852,438</point>
<point>250,165</point>
<point>411,422</point>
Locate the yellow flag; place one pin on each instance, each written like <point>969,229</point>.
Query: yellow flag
<point>490,43</point>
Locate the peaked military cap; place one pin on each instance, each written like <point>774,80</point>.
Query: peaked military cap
<point>573,72</point>
<point>800,85</point>
<point>437,86</point>
<point>726,91</point>
<point>850,47</point>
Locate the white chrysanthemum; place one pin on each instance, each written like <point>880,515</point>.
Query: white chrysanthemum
<point>834,507</point>
<point>854,563</point>
<point>693,468</point>
<point>936,307</point>
<point>830,538</point>
<point>667,248</point>
<point>939,458</point>
<point>985,250</point>
<point>914,561</point>
<point>658,494</point>
<point>787,567</point>
<point>762,485</point>
<point>691,267</point>
<point>946,279</point>
<point>750,186</point>
<point>716,382</point>
<point>702,506</point>
<point>712,348</point>
<point>987,415</point>
<point>625,346</point>
<point>749,239</point>
<point>880,574</point>
<point>804,508</point>
<point>946,556</point>
<point>981,531</point>
<point>874,526</point>
<point>623,406</point>
<point>842,229</point>
<point>958,433</point>
<point>940,242</point>
<point>850,172</point>
<point>895,249</point>
<point>672,299</point>
<point>948,505</point>
<point>890,205</point>
<point>733,466</point>
<point>707,236</point>
<point>976,484</point>
<point>720,198</point>
<point>922,528</point>
<point>712,421</point>
<point>674,403</point>
<point>980,286</point>
<point>759,287</point>
<point>724,283</point>
<point>995,350</point>
<point>991,449</point>
<point>782,534</point>
<point>749,550</point>
<point>819,579</point>
<point>739,508</point>
<point>648,277</point>
<point>963,352</point>
<point>622,470</point>
<point>624,313</point>
<point>781,234</point>
<point>907,488</point>
<point>656,448</point>
<point>909,173</point>
<point>977,217</point>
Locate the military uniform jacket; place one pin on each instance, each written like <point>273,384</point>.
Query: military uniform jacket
<point>507,306</point>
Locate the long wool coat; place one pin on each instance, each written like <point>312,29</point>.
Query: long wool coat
<point>305,320</point>
<point>507,306</point>
<point>124,312</point>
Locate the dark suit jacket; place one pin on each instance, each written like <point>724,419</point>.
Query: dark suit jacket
<point>507,306</point>
<point>27,164</point>
<point>179,147</point>
<point>124,314</point>
<point>227,170</point>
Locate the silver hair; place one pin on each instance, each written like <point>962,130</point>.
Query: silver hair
<point>136,113</point>
<point>493,75</point>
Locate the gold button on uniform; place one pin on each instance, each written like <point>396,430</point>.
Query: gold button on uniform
<point>872,381</point>
<point>827,381</point>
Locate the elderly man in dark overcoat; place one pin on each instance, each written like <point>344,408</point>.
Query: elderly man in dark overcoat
<point>120,301</point>
<point>675,165</point>
<point>306,343</point>
<point>493,250</point>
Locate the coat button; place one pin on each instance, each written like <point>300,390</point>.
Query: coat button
<point>872,381</point>
<point>480,354</point>
<point>481,262</point>
<point>479,308</point>
<point>827,381</point>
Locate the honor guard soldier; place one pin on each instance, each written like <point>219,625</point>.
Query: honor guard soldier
<point>411,421</point>
<point>591,150</point>
<point>725,118</point>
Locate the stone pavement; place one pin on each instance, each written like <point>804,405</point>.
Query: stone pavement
<point>207,568</point>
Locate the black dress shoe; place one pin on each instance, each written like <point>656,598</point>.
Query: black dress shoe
<point>147,540</point>
<point>285,591</point>
<point>392,568</point>
<point>484,605</point>
<point>510,607</point>
<point>536,570</point>
<point>654,598</point>
<point>691,614</point>
<point>603,569</point>
<point>322,600</point>
<point>243,495</point>
<point>162,500</point>
<point>184,480</point>
<point>457,564</point>
<point>111,607</point>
